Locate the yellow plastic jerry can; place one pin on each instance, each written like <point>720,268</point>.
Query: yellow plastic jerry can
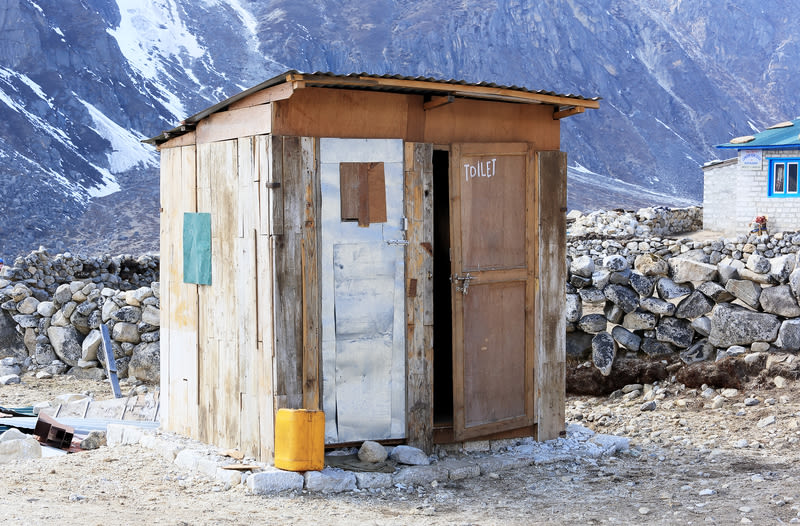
<point>300,440</point>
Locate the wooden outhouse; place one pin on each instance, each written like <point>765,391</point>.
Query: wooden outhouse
<point>388,249</point>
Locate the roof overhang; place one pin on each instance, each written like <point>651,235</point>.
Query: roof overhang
<point>440,91</point>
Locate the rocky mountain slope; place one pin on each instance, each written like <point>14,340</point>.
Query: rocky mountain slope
<point>83,81</point>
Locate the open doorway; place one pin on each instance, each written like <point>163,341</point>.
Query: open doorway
<point>442,290</point>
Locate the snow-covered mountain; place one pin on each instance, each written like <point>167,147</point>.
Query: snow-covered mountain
<point>83,81</point>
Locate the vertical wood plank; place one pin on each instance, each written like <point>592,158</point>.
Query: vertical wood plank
<point>551,339</point>
<point>264,284</point>
<point>311,292</point>
<point>206,395</point>
<point>418,183</point>
<point>288,278</point>
<point>179,311</point>
<point>246,297</point>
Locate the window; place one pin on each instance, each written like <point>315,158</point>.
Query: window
<point>783,180</point>
<point>363,191</point>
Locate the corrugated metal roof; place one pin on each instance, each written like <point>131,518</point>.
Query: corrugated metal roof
<point>781,136</point>
<point>386,83</point>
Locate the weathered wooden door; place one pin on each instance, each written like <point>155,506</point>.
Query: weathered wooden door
<point>493,252</point>
<point>362,275</point>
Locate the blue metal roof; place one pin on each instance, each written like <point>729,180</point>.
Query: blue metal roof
<point>785,135</point>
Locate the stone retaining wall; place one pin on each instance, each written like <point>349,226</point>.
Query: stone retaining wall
<point>52,309</point>
<point>646,222</point>
<point>695,302</point>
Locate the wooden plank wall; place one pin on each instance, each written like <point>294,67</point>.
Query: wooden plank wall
<point>551,340</point>
<point>179,385</point>
<point>219,371</point>
<point>296,292</point>
<point>418,183</point>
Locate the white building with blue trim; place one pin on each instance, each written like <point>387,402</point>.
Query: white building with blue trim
<point>762,180</point>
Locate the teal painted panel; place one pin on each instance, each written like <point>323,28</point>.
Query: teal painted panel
<point>197,248</point>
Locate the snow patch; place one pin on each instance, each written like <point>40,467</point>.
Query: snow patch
<point>127,149</point>
<point>36,6</point>
<point>153,38</point>
<point>58,31</point>
<point>245,16</point>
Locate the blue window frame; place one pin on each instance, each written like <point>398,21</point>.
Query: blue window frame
<point>783,178</point>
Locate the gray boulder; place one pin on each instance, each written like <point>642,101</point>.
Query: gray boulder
<point>763,279</point>
<point>781,267</point>
<point>604,350</point>
<point>372,452</point>
<point>621,295</point>
<point>702,325</point>
<point>734,325</point>
<point>668,289</point>
<point>643,285</point>
<point>639,320</point>
<point>779,300</point>
<point>694,305</point>
<point>579,282</point>
<point>626,339</point>
<point>12,343</point>
<point>758,264</point>
<point>612,312</point>
<point>592,295</point>
<point>66,342</point>
<point>727,272</point>
<point>794,282</point>
<point>688,270</point>
<point>615,263</point>
<point>657,306</point>
<point>409,455</point>
<point>574,308</point>
<point>145,363</point>
<point>745,290</point>
<point>582,266</point>
<point>700,351</point>
<point>654,348</point>
<point>62,295</point>
<point>592,323</point>
<point>600,278</point>
<point>789,335</point>
<point>650,264</point>
<point>715,291</point>
<point>676,331</point>
<point>623,277</point>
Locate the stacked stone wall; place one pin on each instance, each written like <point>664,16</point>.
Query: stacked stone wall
<point>52,309</point>
<point>682,299</point>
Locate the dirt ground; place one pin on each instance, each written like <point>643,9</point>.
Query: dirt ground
<point>689,463</point>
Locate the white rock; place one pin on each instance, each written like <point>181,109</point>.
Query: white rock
<point>372,452</point>
<point>273,480</point>
<point>9,379</point>
<point>330,480</point>
<point>15,445</point>
<point>409,455</point>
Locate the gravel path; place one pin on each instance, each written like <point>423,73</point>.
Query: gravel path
<point>695,458</point>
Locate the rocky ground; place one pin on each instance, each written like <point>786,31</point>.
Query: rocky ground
<point>696,456</point>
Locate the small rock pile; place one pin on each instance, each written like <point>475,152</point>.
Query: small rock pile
<point>412,468</point>
<point>646,222</point>
<point>685,306</point>
<point>52,309</point>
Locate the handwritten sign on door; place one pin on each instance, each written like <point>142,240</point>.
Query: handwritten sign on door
<point>480,169</point>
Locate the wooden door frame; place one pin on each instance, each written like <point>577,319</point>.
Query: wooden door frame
<point>531,269</point>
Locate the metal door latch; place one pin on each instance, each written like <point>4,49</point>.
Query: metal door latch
<point>465,279</point>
